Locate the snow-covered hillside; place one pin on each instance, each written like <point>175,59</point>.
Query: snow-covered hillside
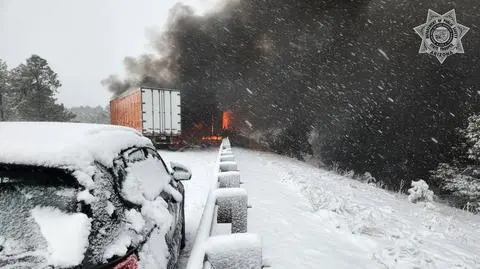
<point>312,218</point>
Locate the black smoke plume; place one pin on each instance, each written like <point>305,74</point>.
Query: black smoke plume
<point>246,55</point>
<point>347,69</point>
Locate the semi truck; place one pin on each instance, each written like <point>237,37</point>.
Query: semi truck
<point>155,112</point>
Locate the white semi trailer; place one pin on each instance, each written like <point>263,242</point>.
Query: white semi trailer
<point>155,112</point>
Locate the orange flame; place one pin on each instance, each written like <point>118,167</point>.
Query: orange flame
<point>212,138</point>
<point>226,120</point>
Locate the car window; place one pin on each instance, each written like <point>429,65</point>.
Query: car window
<point>32,186</point>
<point>135,156</point>
<point>144,179</point>
<point>152,153</point>
<point>28,189</point>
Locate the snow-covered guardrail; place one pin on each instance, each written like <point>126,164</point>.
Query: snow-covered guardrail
<point>226,203</point>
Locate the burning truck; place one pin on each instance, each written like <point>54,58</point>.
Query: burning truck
<point>210,128</point>
<point>157,114</point>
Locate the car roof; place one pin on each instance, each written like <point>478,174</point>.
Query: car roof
<point>70,145</point>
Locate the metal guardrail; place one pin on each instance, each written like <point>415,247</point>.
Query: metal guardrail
<point>226,203</point>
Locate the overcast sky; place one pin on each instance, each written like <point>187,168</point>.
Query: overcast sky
<point>84,41</point>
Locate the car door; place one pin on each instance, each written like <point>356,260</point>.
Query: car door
<point>143,179</point>
<point>176,206</point>
<point>167,173</point>
<point>176,233</point>
<point>147,166</point>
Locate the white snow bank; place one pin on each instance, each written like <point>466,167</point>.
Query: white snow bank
<point>66,235</point>
<point>309,217</point>
<point>58,144</point>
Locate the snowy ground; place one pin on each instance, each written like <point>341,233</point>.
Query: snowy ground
<point>311,218</point>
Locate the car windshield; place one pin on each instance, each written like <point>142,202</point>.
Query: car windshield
<point>23,189</point>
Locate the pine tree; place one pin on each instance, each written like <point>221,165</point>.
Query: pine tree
<point>461,178</point>
<point>34,85</point>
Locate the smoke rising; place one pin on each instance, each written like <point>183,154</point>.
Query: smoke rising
<point>348,69</point>
<point>264,46</point>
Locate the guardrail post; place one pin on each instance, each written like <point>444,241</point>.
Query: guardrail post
<point>226,203</point>
<point>230,179</point>
<point>232,208</point>
<point>227,158</point>
<point>239,211</point>
<point>228,166</point>
<point>239,251</point>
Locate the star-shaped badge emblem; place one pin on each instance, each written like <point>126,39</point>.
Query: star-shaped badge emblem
<point>441,35</point>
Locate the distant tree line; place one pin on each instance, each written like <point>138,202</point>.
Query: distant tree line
<point>88,114</point>
<point>27,92</point>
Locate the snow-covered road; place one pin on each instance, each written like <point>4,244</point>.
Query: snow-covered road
<point>312,218</point>
<point>293,235</point>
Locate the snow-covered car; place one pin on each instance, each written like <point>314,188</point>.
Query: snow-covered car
<point>87,196</point>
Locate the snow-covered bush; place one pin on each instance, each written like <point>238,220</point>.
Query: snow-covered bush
<point>335,167</point>
<point>292,140</point>
<point>463,185</point>
<point>315,196</point>
<point>368,178</point>
<point>349,174</point>
<point>419,192</point>
<point>472,134</point>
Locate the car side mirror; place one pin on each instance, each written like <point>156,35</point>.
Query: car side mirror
<point>180,171</point>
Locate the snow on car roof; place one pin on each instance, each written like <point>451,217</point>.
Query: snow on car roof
<point>62,144</point>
